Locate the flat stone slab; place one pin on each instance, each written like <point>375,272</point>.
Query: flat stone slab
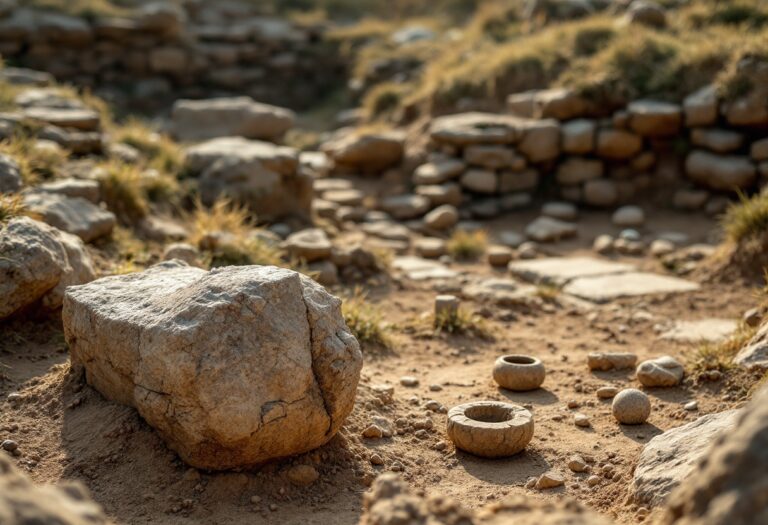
<point>604,288</point>
<point>704,330</point>
<point>419,269</point>
<point>502,292</point>
<point>561,270</point>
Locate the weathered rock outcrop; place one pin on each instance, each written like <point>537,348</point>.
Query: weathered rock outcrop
<point>669,459</point>
<point>37,262</point>
<point>24,503</point>
<point>729,486</point>
<point>232,367</point>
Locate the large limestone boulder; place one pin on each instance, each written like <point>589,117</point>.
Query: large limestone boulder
<point>728,487</point>
<point>720,172</point>
<point>222,117</point>
<point>669,458</point>
<point>368,152</point>
<point>37,263</point>
<point>74,215</point>
<point>24,503</point>
<point>232,367</point>
<point>261,175</point>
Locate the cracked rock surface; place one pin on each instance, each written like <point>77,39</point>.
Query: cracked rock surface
<point>232,367</point>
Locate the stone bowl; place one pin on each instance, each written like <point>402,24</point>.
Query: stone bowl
<point>490,429</point>
<point>519,372</point>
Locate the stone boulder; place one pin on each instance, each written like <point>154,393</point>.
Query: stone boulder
<point>541,140</point>
<point>669,458</point>
<point>232,367</point>
<point>651,118</point>
<point>73,215</point>
<point>37,263</point>
<point>646,13</point>
<point>261,175</point>
<point>755,353</point>
<point>464,129</point>
<point>369,152</point>
<point>22,502</point>
<point>193,120</point>
<point>700,107</point>
<point>404,207</point>
<point>720,172</point>
<point>10,175</point>
<point>728,486</point>
<point>310,245</point>
<point>547,229</point>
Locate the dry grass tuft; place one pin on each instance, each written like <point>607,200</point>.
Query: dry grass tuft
<point>226,232</point>
<point>122,190</point>
<point>719,356</point>
<point>747,218</point>
<point>35,163</point>
<point>11,205</point>
<point>467,246</point>
<point>461,322</point>
<point>162,152</point>
<point>365,321</point>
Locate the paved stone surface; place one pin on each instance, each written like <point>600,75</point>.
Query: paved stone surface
<point>707,330</point>
<point>561,270</point>
<point>420,269</point>
<point>603,288</point>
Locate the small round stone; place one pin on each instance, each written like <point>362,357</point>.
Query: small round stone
<point>631,407</point>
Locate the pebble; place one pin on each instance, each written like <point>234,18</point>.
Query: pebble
<point>581,420</point>
<point>373,432</point>
<point>631,407</point>
<point>691,405</point>
<point>9,445</point>
<point>607,392</point>
<point>593,480</point>
<point>376,459</point>
<point>577,464</point>
<point>662,371</point>
<point>409,381</point>
<point>550,480</point>
<point>303,475</point>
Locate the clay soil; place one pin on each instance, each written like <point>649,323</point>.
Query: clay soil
<point>66,430</point>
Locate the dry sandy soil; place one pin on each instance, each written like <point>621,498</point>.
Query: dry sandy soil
<point>65,429</point>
